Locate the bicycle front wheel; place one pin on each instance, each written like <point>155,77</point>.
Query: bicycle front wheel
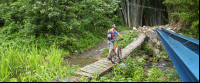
<point>113,58</point>
<point>119,53</point>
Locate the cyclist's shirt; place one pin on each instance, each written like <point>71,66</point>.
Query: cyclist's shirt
<point>113,35</point>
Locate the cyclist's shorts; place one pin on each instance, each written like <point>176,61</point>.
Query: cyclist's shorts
<point>110,45</point>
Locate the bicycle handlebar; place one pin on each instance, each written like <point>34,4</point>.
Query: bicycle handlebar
<point>117,40</point>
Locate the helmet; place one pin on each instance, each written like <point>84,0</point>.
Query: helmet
<point>113,26</point>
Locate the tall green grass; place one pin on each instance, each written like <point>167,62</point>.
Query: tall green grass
<point>123,28</point>
<point>30,64</point>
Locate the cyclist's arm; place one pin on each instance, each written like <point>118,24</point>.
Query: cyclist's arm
<point>120,35</point>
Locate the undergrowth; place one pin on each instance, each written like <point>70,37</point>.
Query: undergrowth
<point>134,72</point>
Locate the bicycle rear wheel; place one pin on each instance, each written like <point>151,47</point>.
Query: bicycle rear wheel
<point>112,57</point>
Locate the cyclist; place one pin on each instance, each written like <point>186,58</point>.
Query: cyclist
<point>110,39</point>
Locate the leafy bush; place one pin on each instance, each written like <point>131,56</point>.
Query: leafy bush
<point>172,75</point>
<point>147,49</point>
<point>72,24</point>
<point>187,12</point>
<point>137,52</point>
<point>155,73</point>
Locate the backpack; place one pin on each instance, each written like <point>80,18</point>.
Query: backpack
<point>110,34</point>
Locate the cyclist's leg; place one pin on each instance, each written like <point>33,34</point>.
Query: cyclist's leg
<point>109,53</point>
<point>117,52</point>
<point>110,47</point>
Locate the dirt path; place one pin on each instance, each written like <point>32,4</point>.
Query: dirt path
<point>96,51</point>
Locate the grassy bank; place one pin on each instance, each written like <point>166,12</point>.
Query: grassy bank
<point>25,58</point>
<point>30,64</point>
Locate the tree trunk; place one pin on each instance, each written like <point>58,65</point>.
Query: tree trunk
<point>138,14</point>
<point>124,9</point>
<point>169,13</point>
<point>128,13</point>
<point>135,14</point>
<point>143,1</point>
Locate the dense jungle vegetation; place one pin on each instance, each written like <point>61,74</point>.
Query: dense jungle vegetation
<point>35,35</point>
<point>134,72</point>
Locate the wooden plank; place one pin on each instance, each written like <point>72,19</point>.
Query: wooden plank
<point>132,44</point>
<point>89,71</point>
<point>106,69</point>
<point>107,63</point>
<point>100,65</point>
<point>100,68</point>
<point>88,67</point>
<point>74,78</point>
<point>84,73</point>
<point>96,67</point>
<point>130,47</point>
<point>105,59</point>
<point>104,62</point>
<point>103,65</point>
<point>126,53</point>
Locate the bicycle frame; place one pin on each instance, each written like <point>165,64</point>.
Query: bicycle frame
<point>114,53</point>
<point>117,45</point>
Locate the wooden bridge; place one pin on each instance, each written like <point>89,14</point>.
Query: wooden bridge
<point>102,66</point>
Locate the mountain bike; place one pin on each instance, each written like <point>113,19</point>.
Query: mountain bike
<point>116,53</point>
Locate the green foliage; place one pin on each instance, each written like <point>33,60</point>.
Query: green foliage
<point>72,24</point>
<point>30,64</point>
<point>132,65</point>
<point>128,38</point>
<point>189,32</point>
<point>188,12</point>
<point>122,28</point>
<point>155,73</point>
<point>137,52</point>
<point>29,29</point>
<point>133,72</point>
<point>147,49</point>
<point>105,52</point>
<point>172,75</point>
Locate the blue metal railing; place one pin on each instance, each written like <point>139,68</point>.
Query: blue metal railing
<point>185,59</point>
<point>191,43</point>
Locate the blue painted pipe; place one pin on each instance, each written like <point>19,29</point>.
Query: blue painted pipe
<point>184,59</point>
<point>191,43</point>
